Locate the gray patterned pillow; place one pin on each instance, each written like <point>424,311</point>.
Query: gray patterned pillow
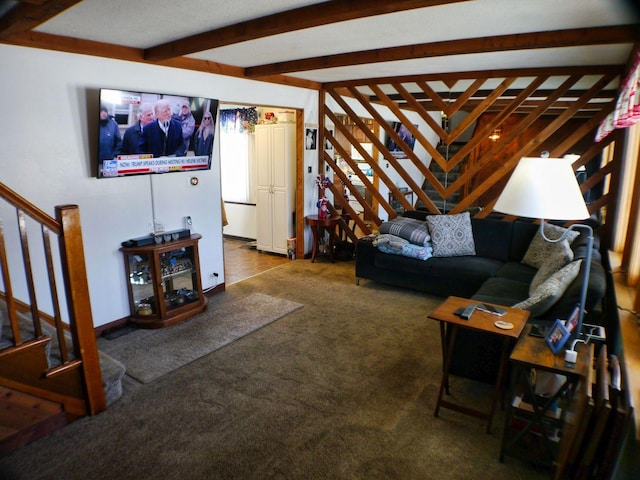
<point>451,235</point>
<point>550,291</point>
<point>559,257</point>
<point>410,229</point>
<point>539,249</point>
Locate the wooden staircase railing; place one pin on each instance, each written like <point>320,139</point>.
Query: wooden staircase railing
<point>74,377</point>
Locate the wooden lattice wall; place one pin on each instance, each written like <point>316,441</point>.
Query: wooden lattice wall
<point>530,111</point>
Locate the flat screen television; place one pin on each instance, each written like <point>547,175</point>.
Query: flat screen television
<point>144,133</point>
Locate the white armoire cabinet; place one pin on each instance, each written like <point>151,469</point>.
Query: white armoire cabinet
<point>275,157</point>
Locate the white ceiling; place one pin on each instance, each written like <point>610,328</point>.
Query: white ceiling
<point>143,24</point>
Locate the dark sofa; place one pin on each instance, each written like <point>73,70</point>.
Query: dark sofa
<point>494,275</point>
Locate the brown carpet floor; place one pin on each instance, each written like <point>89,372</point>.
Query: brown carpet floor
<point>343,388</point>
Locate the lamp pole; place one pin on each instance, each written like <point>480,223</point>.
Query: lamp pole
<point>586,266</point>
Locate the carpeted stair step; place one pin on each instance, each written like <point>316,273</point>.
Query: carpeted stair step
<point>112,370</point>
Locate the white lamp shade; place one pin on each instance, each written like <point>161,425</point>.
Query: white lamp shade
<point>543,188</point>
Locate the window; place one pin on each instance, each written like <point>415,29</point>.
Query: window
<point>236,126</point>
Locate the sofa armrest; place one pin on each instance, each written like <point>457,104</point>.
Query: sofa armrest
<point>365,256</point>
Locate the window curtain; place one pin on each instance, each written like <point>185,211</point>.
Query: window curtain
<point>627,111</point>
<point>235,126</point>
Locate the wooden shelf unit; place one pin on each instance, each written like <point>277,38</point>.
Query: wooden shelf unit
<point>163,281</point>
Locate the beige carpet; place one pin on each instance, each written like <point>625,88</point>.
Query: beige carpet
<point>149,354</point>
<point>343,388</point>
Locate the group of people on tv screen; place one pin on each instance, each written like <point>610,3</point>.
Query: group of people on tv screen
<point>158,131</point>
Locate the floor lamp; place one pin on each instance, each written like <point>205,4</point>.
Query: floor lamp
<point>547,188</point>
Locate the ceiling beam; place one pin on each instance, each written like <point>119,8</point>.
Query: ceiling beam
<point>454,77</point>
<point>511,92</point>
<point>291,20</point>
<point>106,50</point>
<point>26,16</point>
<point>500,43</point>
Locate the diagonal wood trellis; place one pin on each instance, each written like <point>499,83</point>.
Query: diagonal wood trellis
<point>557,110</point>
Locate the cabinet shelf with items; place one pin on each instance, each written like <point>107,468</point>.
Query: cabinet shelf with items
<point>163,282</point>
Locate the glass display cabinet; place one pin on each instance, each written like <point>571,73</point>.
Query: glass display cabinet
<point>163,280</point>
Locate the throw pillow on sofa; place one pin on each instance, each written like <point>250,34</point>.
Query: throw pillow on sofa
<point>539,249</point>
<point>550,291</point>
<point>451,235</point>
<point>410,229</point>
<point>558,258</point>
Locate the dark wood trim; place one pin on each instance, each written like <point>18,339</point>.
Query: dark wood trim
<point>301,173</point>
<point>527,149</point>
<point>288,21</point>
<point>29,208</point>
<point>478,110</point>
<point>549,122</point>
<point>634,213</point>
<point>26,16</point>
<point>453,77</point>
<point>439,104</point>
<point>412,102</point>
<point>499,43</point>
<point>106,50</point>
<point>420,138</point>
<point>78,300</point>
<point>498,120</point>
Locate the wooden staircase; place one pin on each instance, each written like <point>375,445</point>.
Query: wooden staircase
<point>51,371</point>
<point>25,418</point>
<point>445,205</point>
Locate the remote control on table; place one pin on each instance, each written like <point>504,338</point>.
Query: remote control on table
<point>466,313</point>
<point>491,309</point>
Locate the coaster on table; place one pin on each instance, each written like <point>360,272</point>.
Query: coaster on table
<point>504,325</point>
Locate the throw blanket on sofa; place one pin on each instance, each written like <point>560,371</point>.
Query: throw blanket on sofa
<point>395,245</point>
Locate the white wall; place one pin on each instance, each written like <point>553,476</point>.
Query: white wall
<point>49,130</point>
<point>242,220</point>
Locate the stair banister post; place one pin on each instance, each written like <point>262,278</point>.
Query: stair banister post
<point>79,305</point>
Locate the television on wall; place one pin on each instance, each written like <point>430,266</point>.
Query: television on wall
<point>144,133</point>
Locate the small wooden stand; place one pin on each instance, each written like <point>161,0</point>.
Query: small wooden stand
<point>534,420</point>
<point>318,226</point>
<point>483,322</point>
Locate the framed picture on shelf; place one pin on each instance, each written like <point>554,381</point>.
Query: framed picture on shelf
<point>557,336</point>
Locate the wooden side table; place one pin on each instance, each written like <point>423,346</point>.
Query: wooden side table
<point>539,416</point>
<point>482,322</point>
<point>318,227</point>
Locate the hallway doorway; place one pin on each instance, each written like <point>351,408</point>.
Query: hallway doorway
<point>239,187</point>
<point>242,260</point>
